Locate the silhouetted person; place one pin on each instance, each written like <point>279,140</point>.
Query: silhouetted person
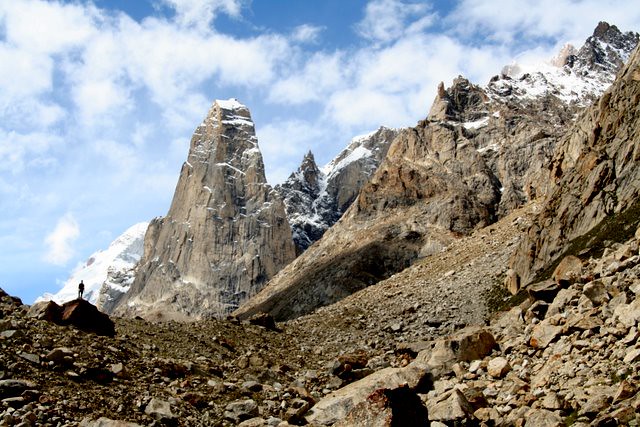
<point>80,289</point>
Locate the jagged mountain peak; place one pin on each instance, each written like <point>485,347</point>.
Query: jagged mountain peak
<point>317,197</point>
<point>226,232</point>
<point>574,76</point>
<point>462,102</point>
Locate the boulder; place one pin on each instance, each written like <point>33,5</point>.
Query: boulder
<point>543,418</point>
<point>335,406</point>
<point>265,320</point>
<point>596,291</point>
<point>387,408</point>
<point>452,407</point>
<point>498,367</point>
<point>468,344</point>
<point>544,333</point>
<point>241,410</point>
<point>86,316</point>
<point>545,291</point>
<point>160,410</point>
<point>45,310</point>
<point>568,271</point>
<point>79,313</point>
<point>628,314</point>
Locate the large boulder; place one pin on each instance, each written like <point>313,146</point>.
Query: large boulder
<point>468,344</point>
<point>416,377</point>
<point>79,313</point>
<point>387,408</point>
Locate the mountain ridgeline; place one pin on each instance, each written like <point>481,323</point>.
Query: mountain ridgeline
<point>481,153</point>
<point>231,243</point>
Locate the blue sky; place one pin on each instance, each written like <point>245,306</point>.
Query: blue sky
<point>98,99</point>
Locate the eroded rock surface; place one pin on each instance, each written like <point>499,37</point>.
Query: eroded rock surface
<point>226,233</point>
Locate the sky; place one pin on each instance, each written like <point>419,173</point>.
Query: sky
<point>98,99</point>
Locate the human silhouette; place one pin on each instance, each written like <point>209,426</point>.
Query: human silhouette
<point>80,289</point>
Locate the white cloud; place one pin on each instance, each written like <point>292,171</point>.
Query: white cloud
<point>48,27</point>
<point>506,21</point>
<point>20,150</point>
<point>59,242</point>
<point>322,73</point>
<point>200,13</point>
<point>388,20</point>
<point>307,33</point>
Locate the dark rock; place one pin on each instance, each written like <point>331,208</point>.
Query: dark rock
<point>86,317</point>
<point>241,410</point>
<point>45,310</point>
<point>545,291</point>
<point>388,408</point>
<point>265,320</point>
<point>13,388</point>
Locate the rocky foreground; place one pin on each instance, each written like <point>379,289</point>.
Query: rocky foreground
<point>567,354</point>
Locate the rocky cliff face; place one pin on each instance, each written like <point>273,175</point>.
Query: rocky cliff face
<point>595,191</point>
<point>316,198</point>
<point>226,233</point>
<point>481,153</point>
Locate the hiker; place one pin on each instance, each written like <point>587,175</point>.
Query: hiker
<point>80,289</point>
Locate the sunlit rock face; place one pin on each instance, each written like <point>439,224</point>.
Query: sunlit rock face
<point>226,233</point>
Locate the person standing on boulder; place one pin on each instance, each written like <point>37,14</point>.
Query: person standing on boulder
<point>80,289</point>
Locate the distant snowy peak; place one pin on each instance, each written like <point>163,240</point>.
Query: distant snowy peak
<point>574,76</point>
<point>315,198</point>
<point>116,261</point>
<point>362,147</point>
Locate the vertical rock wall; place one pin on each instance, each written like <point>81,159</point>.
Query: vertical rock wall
<point>226,232</point>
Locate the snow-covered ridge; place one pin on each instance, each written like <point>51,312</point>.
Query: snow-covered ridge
<point>573,76</point>
<point>316,198</point>
<point>114,262</point>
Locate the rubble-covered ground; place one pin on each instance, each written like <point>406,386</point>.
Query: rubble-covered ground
<point>568,354</point>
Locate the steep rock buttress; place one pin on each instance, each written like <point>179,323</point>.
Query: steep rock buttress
<point>226,233</point>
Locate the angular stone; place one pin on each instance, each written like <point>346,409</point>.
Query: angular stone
<point>241,410</point>
<point>498,367</point>
<point>596,292</point>
<point>265,320</point>
<point>255,422</point>
<point>568,271</point>
<point>512,281</point>
<point>160,410</point>
<point>387,408</point>
<point>45,310</point>
<point>468,344</point>
<point>13,388</point>
<point>562,299</point>
<point>451,407</point>
<point>595,404</point>
<point>624,391</point>
<point>632,355</point>
<point>107,422</point>
<point>543,418</point>
<point>552,401</point>
<point>33,358</point>
<point>628,314</point>
<point>545,291</point>
<point>339,403</point>
<point>544,334</point>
